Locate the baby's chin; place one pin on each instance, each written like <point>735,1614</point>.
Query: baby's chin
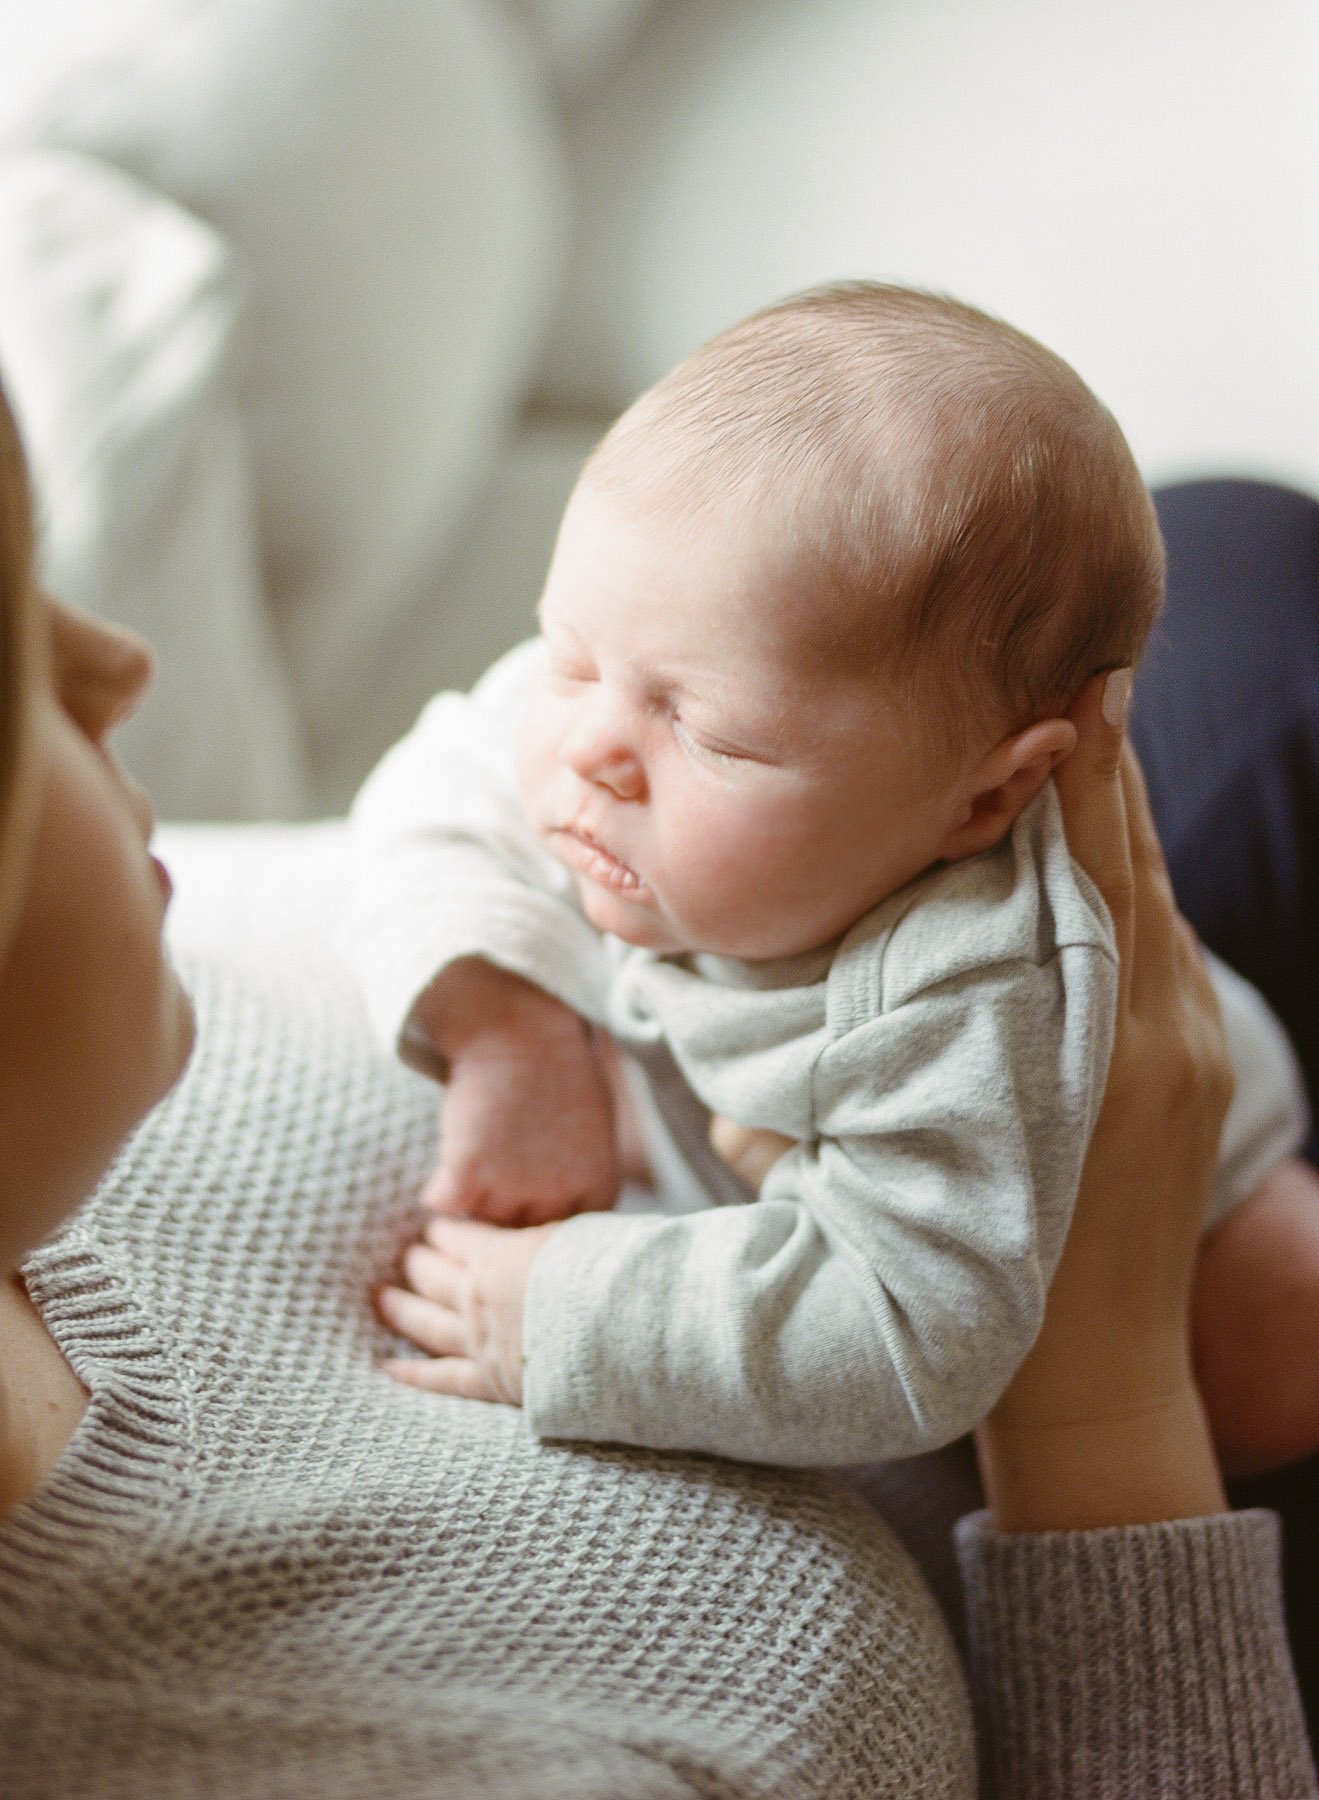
<point>639,922</point>
<point>632,921</point>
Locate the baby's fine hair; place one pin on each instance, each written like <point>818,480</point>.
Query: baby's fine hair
<point>949,494</point>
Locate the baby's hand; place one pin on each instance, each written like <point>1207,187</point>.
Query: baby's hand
<point>527,1133</point>
<point>462,1305</point>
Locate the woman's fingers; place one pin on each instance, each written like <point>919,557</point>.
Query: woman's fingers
<point>1168,972</point>
<point>1154,910</point>
<point>1092,789</point>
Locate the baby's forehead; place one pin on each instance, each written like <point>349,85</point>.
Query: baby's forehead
<point>770,555</point>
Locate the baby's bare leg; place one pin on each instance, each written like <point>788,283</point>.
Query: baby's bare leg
<point>1255,1323</point>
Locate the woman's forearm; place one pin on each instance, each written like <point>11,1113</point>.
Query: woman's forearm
<point>1133,1468</point>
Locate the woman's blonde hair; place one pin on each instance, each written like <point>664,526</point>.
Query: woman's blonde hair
<point>19,640</point>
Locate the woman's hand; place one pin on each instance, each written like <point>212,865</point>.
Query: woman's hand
<point>1102,1424</point>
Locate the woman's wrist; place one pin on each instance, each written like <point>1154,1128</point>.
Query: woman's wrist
<point>1141,1466</point>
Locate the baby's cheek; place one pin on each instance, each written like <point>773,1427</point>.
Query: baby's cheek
<point>532,761</point>
<point>712,870</point>
<point>774,872</point>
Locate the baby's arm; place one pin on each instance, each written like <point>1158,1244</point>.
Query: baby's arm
<point>872,1303</point>
<point>878,1296</point>
<point>476,964</point>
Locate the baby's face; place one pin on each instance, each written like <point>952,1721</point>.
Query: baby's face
<point>707,785</point>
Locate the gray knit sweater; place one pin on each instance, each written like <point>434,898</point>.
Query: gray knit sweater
<point>262,1569</point>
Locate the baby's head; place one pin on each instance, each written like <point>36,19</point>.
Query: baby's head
<point>819,603</point>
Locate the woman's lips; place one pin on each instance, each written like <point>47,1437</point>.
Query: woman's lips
<point>162,876</point>
<point>589,857</point>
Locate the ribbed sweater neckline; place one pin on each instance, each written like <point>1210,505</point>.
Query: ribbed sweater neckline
<point>126,1460</point>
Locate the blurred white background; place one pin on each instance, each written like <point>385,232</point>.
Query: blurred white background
<point>311,308</point>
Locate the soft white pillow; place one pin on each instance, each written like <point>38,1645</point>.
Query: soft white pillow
<point>478,604</point>
<point>118,313</point>
<point>388,179</point>
<point>581,38</point>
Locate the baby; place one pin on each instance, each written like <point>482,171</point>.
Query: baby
<point>767,807</point>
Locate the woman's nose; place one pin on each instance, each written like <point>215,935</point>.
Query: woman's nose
<point>597,751</point>
<point>102,670</point>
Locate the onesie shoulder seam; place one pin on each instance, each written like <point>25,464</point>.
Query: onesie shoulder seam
<point>845,1017</point>
<point>854,985</point>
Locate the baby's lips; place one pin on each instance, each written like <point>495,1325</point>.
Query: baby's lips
<point>589,857</point>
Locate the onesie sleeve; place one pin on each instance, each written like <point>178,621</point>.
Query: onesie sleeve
<point>445,867</point>
<point>1269,1118</point>
<point>876,1298</point>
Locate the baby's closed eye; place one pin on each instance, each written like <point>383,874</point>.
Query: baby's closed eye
<point>711,749</point>
<point>570,668</point>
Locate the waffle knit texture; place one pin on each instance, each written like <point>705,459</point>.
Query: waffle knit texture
<point>262,1568</point>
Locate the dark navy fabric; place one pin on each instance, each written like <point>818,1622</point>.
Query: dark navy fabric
<point>1226,722</point>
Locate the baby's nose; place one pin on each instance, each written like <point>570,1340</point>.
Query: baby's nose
<point>599,754</point>
<point>623,773</point>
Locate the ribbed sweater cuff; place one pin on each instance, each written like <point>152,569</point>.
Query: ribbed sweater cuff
<point>1136,1661</point>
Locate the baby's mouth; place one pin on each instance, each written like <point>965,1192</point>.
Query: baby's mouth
<point>590,858</point>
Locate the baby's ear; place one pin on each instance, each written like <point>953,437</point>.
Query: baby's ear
<point>1005,783</point>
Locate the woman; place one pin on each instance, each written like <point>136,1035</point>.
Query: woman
<point>235,1559</point>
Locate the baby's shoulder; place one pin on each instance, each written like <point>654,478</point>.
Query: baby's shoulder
<point>1022,903</point>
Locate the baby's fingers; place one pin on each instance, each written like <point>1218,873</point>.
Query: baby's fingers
<point>432,1327</point>
<point>453,1375</point>
<point>460,1240</point>
<point>436,1276</point>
